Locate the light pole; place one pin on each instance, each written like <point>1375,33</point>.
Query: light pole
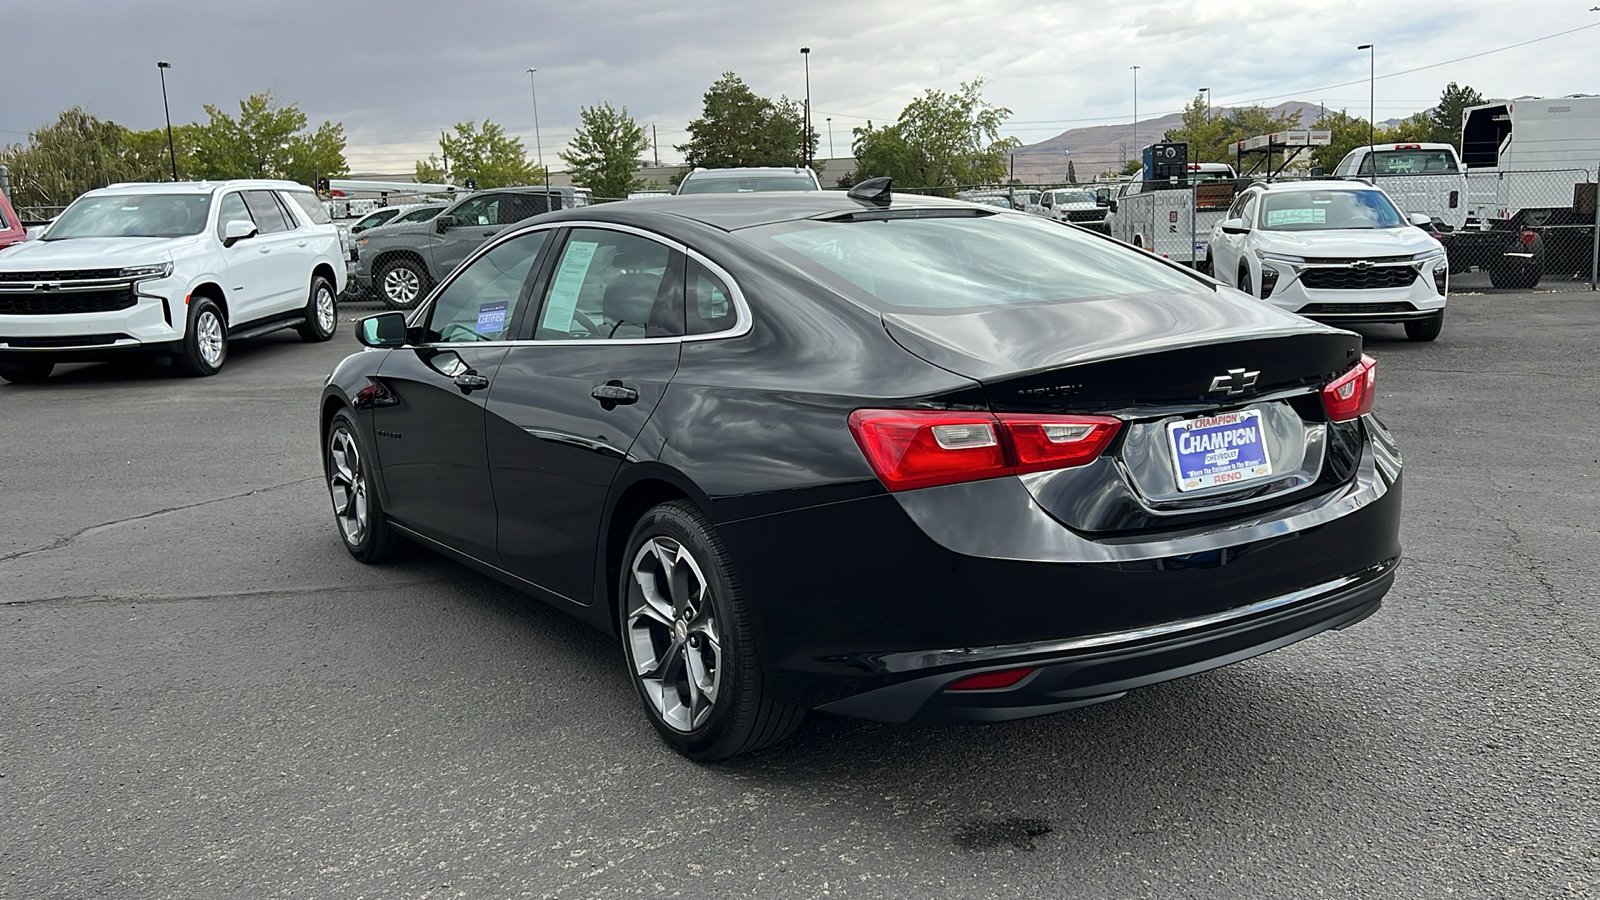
<point>172,154</point>
<point>805,54</point>
<point>830,137</point>
<point>1207,92</point>
<point>538,142</point>
<point>1372,101</point>
<point>1136,111</point>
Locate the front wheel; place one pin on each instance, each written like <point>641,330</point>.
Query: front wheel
<point>1423,330</point>
<point>205,342</point>
<point>1244,281</point>
<point>26,373</point>
<point>401,283</point>
<point>322,312</point>
<point>686,635</point>
<point>356,508</point>
<point>1514,277</point>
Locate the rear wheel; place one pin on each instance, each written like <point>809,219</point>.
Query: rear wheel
<point>1519,277</point>
<point>401,282</point>
<point>322,312</point>
<point>26,373</point>
<point>1423,330</point>
<point>686,634</point>
<point>205,342</point>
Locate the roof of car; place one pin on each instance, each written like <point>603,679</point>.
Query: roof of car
<point>1321,184</point>
<point>751,170</point>
<point>731,212</point>
<point>199,187</point>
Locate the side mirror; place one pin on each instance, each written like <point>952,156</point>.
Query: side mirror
<point>1111,205</point>
<point>236,231</point>
<point>1421,220</point>
<point>442,224</point>
<point>1234,226</point>
<point>387,329</point>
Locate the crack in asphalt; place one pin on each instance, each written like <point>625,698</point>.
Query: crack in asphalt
<point>82,532</point>
<point>1531,565</point>
<point>76,599</point>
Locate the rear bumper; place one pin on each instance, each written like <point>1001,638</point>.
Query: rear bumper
<point>1121,662</point>
<point>873,607</point>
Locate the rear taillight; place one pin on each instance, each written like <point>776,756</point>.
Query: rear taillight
<point>1350,396</point>
<point>911,449</point>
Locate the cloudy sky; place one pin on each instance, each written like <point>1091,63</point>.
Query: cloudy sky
<point>395,72</point>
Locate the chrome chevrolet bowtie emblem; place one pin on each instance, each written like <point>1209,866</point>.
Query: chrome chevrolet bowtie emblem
<point>1237,381</point>
<point>1361,264</point>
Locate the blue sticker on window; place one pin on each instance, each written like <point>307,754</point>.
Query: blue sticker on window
<point>492,318</point>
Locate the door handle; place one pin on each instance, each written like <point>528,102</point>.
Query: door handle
<point>301,243</point>
<point>470,381</point>
<point>614,393</point>
<point>264,249</point>
<point>490,233</point>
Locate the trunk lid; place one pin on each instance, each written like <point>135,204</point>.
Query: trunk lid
<point>1152,360</point>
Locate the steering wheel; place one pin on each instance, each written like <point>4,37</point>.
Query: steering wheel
<point>588,323</point>
<point>455,332</point>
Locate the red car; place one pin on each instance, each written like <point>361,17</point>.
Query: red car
<point>11,230</point>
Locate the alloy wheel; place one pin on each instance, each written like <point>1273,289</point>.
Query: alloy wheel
<point>326,310</point>
<point>401,285</point>
<point>208,338</point>
<point>673,639</point>
<point>348,485</point>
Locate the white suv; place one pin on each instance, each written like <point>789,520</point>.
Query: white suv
<point>177,269</point>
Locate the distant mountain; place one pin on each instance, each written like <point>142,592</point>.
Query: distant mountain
<point>1102,147</point>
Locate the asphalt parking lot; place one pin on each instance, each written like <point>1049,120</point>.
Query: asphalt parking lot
<point>203,696</point>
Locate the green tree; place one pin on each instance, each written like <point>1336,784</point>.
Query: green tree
<point>604,154</point>
<point>737,127</point>
<point>1072,173</point>
<point>486,154</point>
<point>147,155</point>
<point>1445,120</point>
<point>1347,133</point>
<point>940,141</point>
<point>268,140</point>
<point>1131,167</point>
<point>1211,134</point>
<point>78,152</point>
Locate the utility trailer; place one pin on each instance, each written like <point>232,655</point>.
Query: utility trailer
<point>1171,205</point>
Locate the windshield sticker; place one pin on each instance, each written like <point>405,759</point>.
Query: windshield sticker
<point>492,318</point>
<point>565,286</point>
<point>1276,217</point>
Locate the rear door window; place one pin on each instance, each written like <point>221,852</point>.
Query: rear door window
<point>313,208</point>
<point>264,209</point>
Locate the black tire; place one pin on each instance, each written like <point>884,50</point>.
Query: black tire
<point>1514,278</point>
<point>349,479</point>
<point>205,340</point>
<point>1244,281</point>
<point>322,312</point>
<point>26,373</point>
<point>407,287</point>
<point>1207,267</point>
<point>741,716</point>
<point>1424,330</point>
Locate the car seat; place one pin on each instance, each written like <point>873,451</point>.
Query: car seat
<point>629,300</point>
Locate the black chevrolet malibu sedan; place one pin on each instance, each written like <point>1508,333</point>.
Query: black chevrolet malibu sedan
<point>893,457</point>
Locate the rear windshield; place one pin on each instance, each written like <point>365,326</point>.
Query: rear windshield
<point>132,215</point>
<point>1410,162</point>
<point>744,184</point>
<point>960,262</point>
<point>1328,210</point>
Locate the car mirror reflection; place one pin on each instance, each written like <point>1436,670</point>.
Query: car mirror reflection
<point>383,330</point>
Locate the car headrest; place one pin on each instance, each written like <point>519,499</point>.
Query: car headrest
<point>628,301</point>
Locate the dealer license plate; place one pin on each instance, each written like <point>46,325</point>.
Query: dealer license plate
<point>1218,450</point>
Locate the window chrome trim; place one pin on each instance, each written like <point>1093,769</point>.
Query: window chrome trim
<point>743,321</point>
